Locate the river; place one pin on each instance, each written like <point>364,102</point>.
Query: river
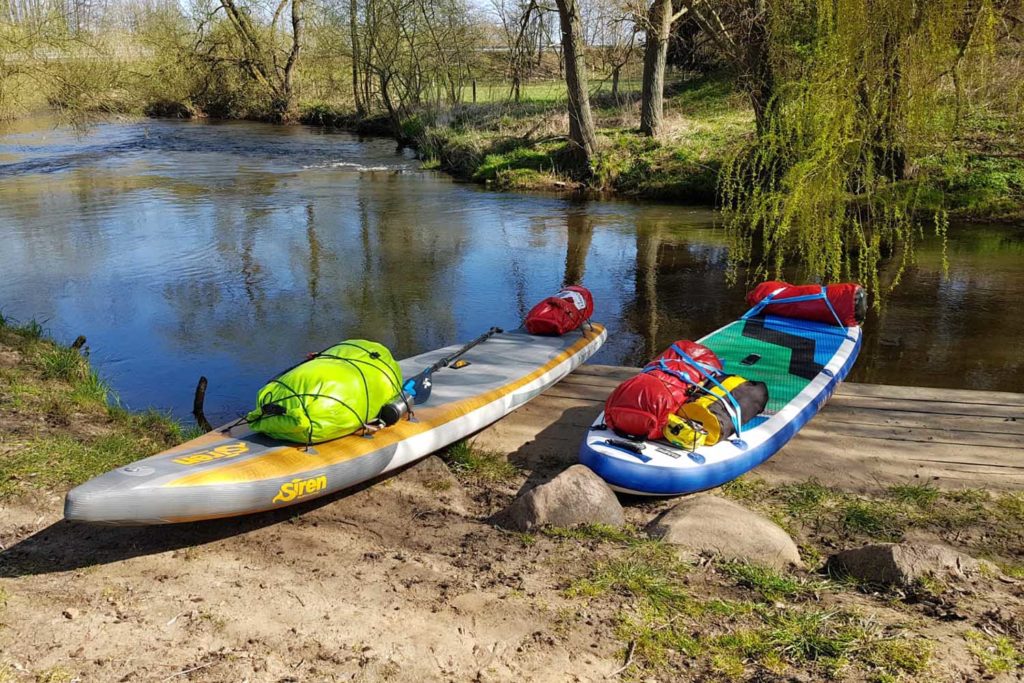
<point>230,250</point>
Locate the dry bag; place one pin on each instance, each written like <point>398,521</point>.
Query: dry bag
<point>844,303</point>
<point>336,392</point>
<point>719,415</point>
<point>640,406</point>
<point>564,312</point>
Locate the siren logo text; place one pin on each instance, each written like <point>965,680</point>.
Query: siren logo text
<point>300,488</point>
<point>229,450</point>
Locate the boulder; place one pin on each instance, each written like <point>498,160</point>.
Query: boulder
<point>429,482</point>
<point>576,496</point>
<point>902,564</point>
<point>708,523</point>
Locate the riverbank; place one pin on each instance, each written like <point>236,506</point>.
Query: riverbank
<point>60,423</point>
<point>407,578</point>
<point>522,146</point>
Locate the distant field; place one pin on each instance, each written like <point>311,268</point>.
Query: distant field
<point>542,91</point>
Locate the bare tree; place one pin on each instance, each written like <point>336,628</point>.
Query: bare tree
<point>739,29</point>
<point>581,122</point>
<point>659,27</point>
<point>261,58</point>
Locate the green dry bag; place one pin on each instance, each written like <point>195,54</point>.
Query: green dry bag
<point>335,393</point>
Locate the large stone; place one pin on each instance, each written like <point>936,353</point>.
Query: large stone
<point>902,564</point>
<point>429,482</point>
<point>708,523</point>
<point>576,496</point>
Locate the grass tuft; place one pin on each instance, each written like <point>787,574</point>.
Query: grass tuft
<point>594,532</point>
<point>650,571</point>
<point>485,466</point>
<point>921,495</point>
<point>995,654</point>
<point>768,583</point>
<point>63,363</point>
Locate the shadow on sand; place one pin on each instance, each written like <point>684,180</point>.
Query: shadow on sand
<point>65,546</point>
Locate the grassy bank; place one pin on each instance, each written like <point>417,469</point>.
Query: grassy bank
<point>522,146</point>
<point>59,422</point>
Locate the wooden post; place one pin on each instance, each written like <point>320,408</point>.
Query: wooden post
<point>197,406</point>
<point>474,91</point>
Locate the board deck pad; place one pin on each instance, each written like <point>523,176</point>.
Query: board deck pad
<point>800,361</point>
<point>234,471</point>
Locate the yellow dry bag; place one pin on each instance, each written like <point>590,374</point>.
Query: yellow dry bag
<point>719,415</point>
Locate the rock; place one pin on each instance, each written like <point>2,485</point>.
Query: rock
<point>902,564</point>
<point>576,496</point>
<point>71,613</point>
<point>430,483</point>
<point>431,473</point>
<point>710,523</point>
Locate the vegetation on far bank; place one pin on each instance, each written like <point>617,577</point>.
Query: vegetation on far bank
<point>59,421</point>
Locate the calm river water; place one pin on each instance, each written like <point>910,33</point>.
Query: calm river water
<point>231,249</point>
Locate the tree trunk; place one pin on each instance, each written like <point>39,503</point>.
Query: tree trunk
<point>655,55</point>
<point>760,77</point>
<point>288,80</point>
<point>615,82</point>
<point>353,26</point>
<point>581,122</point>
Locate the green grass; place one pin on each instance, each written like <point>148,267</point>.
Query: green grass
<point>770,584</point>
<point>595,532</point>
<point>995,654</point>
<point>668,625</point>
<point>649,571</point>
<point>671,625</point>
<point>478,465</point>
<point>921,495</point>
<point>83,435</point>
<point>994,524</point>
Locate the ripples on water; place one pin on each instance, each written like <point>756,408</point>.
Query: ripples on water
<point>230,249</point>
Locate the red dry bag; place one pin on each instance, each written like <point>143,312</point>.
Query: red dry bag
<point>807,302</point>
<point>561,313</point>
<point>640,406</point>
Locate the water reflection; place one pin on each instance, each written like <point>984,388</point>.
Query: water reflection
<point>230,250</point>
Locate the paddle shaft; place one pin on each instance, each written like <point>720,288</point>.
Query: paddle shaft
<point>421,384</point>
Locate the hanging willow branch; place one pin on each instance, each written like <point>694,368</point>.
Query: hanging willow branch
<point>827,183</point>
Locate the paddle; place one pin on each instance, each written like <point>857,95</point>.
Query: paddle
<point>416,390</point>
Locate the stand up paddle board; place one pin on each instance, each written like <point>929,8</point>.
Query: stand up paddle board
<point>801,361</point>
<point>235,471</point>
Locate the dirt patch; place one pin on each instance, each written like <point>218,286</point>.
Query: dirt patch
<point>388,583</point>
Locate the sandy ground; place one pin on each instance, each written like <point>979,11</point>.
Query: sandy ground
<point>396,581</point>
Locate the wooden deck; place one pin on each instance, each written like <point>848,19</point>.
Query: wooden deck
<point>867,438</point>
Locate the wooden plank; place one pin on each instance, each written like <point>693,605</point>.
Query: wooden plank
<point>933,407</point>
<point>842,429</point>
<point>933,394</point>
<point>834,410</point>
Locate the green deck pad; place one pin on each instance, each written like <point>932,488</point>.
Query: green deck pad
<point>786,371</point>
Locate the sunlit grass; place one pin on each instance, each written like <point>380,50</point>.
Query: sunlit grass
<point>83,433</point>
<point>479,465</point>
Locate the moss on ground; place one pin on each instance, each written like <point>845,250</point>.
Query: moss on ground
<point>59,422</point>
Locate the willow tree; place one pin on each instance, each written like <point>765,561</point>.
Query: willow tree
<point>862,88</point>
